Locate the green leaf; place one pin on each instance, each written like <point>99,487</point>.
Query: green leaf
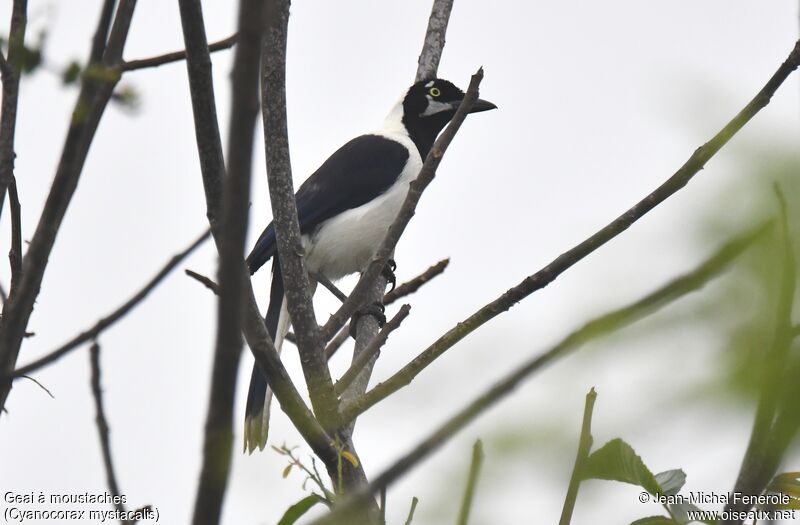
<point>296,511</point>
<point>654,520</point>
<point>617,461</point>
<point>671,481</point>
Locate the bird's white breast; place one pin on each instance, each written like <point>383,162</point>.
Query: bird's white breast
<point>345,244</point>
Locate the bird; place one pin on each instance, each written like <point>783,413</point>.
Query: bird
<point>345,208</point>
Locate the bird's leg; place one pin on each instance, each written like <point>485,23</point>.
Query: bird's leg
<point>388,273</point>
<point>376,309</point>
<point>324,281</point>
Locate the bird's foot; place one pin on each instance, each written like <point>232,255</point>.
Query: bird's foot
<point>388,273</point>
<point>376,310</point>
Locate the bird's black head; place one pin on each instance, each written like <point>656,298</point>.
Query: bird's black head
<point>427,108</point>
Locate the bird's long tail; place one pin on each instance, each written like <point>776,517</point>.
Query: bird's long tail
<point>259,396</point>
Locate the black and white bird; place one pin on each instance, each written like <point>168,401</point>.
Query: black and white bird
<point>346,207</point>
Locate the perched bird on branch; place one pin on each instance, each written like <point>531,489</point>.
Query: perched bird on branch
<point>345,209</point>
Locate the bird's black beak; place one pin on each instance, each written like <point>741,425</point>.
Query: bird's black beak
<point>481,105</point>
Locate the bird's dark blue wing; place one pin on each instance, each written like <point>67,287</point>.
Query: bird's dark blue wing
<point>356,173</point>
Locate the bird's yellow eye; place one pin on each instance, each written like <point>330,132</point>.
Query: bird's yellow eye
<point>435,92</point>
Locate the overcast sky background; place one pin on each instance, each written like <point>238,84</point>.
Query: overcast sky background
<point>599,103</point>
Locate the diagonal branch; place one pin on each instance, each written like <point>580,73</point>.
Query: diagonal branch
<point>92,100</point>
<point>566,260</point>
<point>370,353</point>
<point>102,428</point>
<point>284,211</point>
<point>175,56</point>
<point>411,286</point>
<point>15,254</point>
<point>107,321</point>
<point>605,324</point>
<point>10,72</point>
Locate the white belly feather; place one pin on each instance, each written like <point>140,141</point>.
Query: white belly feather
<point>345,244</point>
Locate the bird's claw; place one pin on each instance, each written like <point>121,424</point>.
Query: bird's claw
<point>388,273</point>
<point>377,310</point>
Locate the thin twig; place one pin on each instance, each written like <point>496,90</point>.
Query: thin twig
<point>176,56</point>
<point>472,482</point>
<point>411,286</point>
<point>593,329</point>
<point>584,447</point>
<point>324,281</point>
<point>202,279</point>
<point>425,177</point>
<point>107,321</point>
<point>372,350</point>
<point>566,260</point>
<point>15,254</point>
<point>414,501</point>
<point>93,99</point>
<point>10,72</point>
<point>40,385</point>
<point>102,428</point>
<point>338,340</point>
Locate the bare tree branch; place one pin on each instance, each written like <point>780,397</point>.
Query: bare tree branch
<point>401,291</point>
<point>416,283</point>
<point>107,321</point>
<point>566,260</point>
<point>15,255</point>
<point>102,428</point>
<point>605,324</point>
<point>10,72</point>
<point>371,352</point>
<point>205,281</point>
<point>212,169</point>
<point>94,96</point>
<point>284,211</point>
<point>175,56</point>
<point>218,440</point>
<point>428,62</point>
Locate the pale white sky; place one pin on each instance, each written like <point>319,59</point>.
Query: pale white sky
<point>599,103</point>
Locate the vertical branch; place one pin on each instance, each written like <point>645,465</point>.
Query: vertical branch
<point>102,426</point>
<point>212,170</point>
<point>284,211</point>
<point>472,483</point>
<point>770,433</point>
<point>204,107</point>
<point>15,254</point>
<point>92,100</point>
<point>584,447</point>
<point>428,63</point>
<point>217,447</point>
<point>10,71</point>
